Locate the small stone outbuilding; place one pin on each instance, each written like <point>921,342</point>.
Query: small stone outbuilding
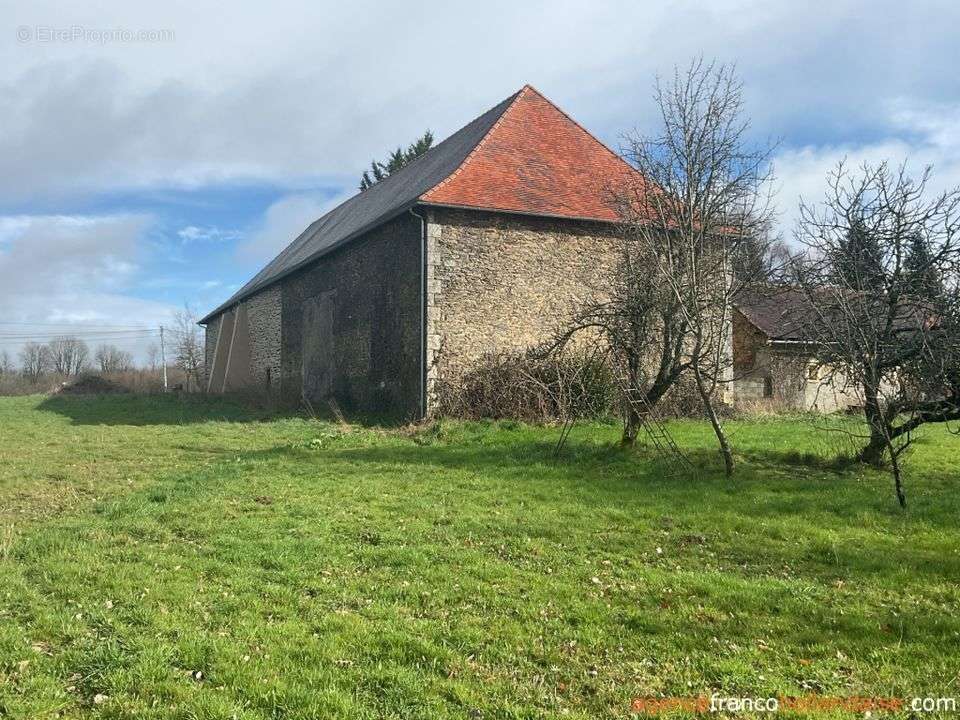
<point>485,243</point>
<point>773,362</point>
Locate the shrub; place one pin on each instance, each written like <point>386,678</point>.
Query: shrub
<point>141,382</point>
<point>682,401</point>
<point>527,386</point>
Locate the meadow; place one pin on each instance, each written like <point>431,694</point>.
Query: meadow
<point>164,557</point>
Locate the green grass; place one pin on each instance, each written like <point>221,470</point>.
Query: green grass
<point>177,559</point>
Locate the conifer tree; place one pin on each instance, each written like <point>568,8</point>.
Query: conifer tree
<point>398,159</point>
<point>857,259</point>
<point>919,268</point>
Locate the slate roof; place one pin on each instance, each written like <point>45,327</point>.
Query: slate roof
<point>787,314</point>
<point>524,155</point>
<point>777,312</point>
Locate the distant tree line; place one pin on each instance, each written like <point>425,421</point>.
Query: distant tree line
<point>69,356</point>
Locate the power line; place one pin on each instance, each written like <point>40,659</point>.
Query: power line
<point>12,333</point>
<point>85,336</point>
<point>70,325</point>
<point>86,331</point>
<point>77,337</point>
<point>112,340</point>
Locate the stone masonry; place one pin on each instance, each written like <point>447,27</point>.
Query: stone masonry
<point>504,283</point>
<point>260,341</point>
<point>351,327</point>
<point>783,375</point>
<point>263,310</point>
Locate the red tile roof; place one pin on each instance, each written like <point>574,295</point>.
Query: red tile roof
<point>536,159</point>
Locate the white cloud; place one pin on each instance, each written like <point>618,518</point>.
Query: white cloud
<point>303,94</point>
<point>192,233</point>
<point>172,282</point>
<point>67,273</point>
<point>283,221</point>
<point>11,226</point>
<point>924,136</point>
<point>296,92</point>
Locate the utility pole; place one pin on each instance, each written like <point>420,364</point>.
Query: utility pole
<point>163,359</point>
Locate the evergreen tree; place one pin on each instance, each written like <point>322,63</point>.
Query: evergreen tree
<point>857,261</point>
<point>920,274</point>
<point>398,158</point>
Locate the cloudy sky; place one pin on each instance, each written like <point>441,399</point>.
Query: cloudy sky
<point>139,173</point>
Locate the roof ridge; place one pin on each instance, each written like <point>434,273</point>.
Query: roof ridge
<point>413,162</point>
<point>476,148</point>
<point>385,182</point>
<point>593,137</point>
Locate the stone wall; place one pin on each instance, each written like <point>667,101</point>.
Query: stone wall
<point>747,342</point>
<point>500,283</point>
<point>782,376</point>
<point>763,375</point>
<point>351,325</point>
<point>263,312</point>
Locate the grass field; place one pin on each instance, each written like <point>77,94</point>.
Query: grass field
<point>162,558</point>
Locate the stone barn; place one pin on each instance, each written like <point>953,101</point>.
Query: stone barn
<point>485,243</point>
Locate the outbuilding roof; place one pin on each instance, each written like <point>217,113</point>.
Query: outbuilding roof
<point>524,155</point>
<point>779,313</point>
<point>788,314</point>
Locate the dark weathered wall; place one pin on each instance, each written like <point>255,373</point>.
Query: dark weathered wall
<point>217,370</point>
<point>350,325</point>
<point>747,341</point>
<point>263,311</point>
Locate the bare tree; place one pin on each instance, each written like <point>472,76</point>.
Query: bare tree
<point>68,355</point>
<point>189,346</point>
<point>881,280</point>
<point>34,361</point>
<point>700,195</point>
<point>636,325</point>
<point>153,357</point>
<point>705,195</point>
<point>112,359</point>
<point>6,364</point>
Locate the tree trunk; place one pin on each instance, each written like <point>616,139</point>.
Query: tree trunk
<point>707,401</point>
<point>872,453</point>
<point>897,476</point>
<point>631,423</point>
<point>897,479</point>
<point>632,420</point>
